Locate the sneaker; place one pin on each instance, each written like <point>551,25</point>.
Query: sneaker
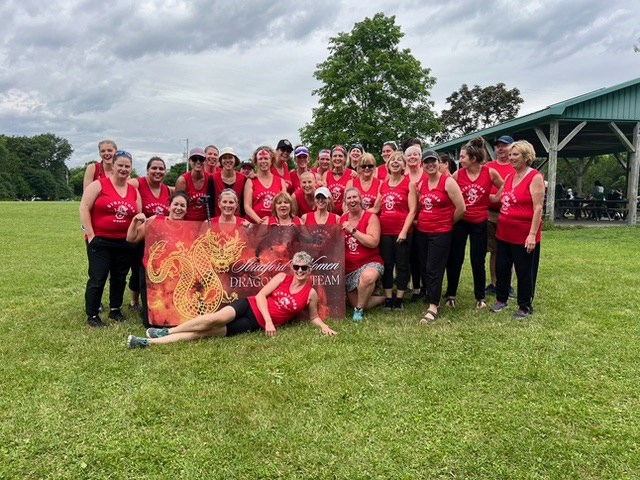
<point>512,294</point>
<point>388,303</point>
<point>137,342</point>
<point>157,332</point>
<point>358,315</point>
<point>101,308</point>
<point>116,315</point>
<point>490,290</point>
<point>498,307</point>
<point>521,314</point>
<point>398,304</point>
<point>450,302</point>
<point>95,321</point>
<point>480,304</point>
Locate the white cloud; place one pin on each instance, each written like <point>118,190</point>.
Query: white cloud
<point>151,74</point>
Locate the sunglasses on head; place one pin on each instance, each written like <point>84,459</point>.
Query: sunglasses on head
<point>122,153</point>
<point>304,268</point>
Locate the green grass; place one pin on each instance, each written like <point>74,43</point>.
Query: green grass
<point>476,395</point>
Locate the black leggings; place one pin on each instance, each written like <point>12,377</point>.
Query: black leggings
<point>433,249</point>
<point>245,320</point>
<point>526,267</point>
<point>477,233</point>
<point>395,254</point>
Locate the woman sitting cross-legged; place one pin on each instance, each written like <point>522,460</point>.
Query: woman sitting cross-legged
<point>279,301</point>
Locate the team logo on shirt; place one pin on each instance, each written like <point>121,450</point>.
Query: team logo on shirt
<point>472,196</point>
<point>336,191</point>
<point>507,199</point>
<point>366,202</point>
<point>267,201</point>
<point>285,301</point>
<point>389,202</point>
<point>352,244</point>
<point>427,203</point>
<point>121,212</point>
<point>159,210</point>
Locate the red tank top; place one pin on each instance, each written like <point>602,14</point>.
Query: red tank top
<point>286,176</point>
<point>282,304</point>
<point>503,170</point>
<point>394,206</point>
<point>368,197</point>
<point>263,196</point>
<point>196,206</point>
<point>337,188</point>
<point>332,219</point>
<point>303,205</point>
<point>356,254</point>
<point>476,194</point>
<point>219,186</point>
<point>273,222</point>
<point>516,213</point>
<point>111,214</point>
<point>435,208</point>
<point>152,205</point>
<point>98,172</point>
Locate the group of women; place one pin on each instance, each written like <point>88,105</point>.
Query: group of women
<point>407,219</point>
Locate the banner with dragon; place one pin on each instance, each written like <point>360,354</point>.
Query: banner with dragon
<point>194,268</point>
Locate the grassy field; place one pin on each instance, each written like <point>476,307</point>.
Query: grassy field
<point>476,395</point>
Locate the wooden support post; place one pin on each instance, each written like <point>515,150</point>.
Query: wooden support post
<point>632,189</point>
<point>554,129</point>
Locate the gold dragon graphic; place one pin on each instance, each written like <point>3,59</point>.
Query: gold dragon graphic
<point>199,289</point>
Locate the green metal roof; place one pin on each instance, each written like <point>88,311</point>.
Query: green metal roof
<point>620,104</point>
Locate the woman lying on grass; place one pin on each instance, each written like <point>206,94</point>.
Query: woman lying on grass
<point>278,302</point>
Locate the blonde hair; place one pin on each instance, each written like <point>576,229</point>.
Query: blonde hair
<point>525,149</point>
<point>302,258</point>
<point>277,198</point>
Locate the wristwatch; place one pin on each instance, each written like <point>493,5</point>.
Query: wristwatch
<point>353,231</point>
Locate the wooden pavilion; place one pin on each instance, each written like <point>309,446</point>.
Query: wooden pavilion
<point>605,121</point>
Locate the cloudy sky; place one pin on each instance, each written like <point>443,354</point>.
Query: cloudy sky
<point>151,74</point>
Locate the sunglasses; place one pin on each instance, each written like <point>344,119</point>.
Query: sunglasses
<point>367,166</point>
<point>197,159</point>
<point>304,268</point>
<point>122,153</point>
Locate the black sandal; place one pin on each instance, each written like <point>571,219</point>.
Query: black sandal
<point>429,317</point>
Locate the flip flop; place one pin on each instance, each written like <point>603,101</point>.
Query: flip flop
<point>429,317</point>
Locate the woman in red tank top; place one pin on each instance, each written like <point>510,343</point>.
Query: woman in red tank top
<point>194,183</point>
<point>366,182</point>
<point>396,206</point>
<point>106,210</point>
<point>104,168</point>
<point>303,199</point>
<point>279,301</point>
<point>228,207</point>
<point>363,264</point>
<point>260,191</point>
<point>519,229</point>
<point>440,205</point>
<point>475,180</point>
<point>336,179</point>
<point>228,177</point>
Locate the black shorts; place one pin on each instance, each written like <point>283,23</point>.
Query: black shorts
<point>245,320</point>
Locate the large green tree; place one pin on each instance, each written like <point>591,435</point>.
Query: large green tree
<point>477,108</point>
<point>41,162</point>
<point>372,91</point>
